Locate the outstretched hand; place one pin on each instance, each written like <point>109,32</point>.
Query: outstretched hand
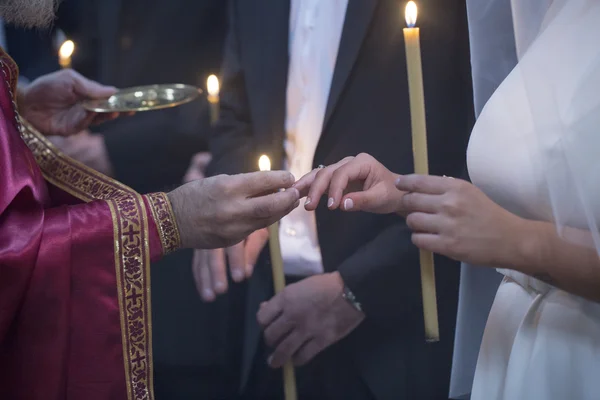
<point>52,103</point>
<point>223,210</point>
<point>358,183</point>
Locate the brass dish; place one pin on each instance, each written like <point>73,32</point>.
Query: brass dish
<point>144,98</point>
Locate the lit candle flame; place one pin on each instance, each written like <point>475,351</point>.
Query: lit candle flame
<point>66,49</point>
<point>264,164</point>
<point>410,14</point>
<point>212,85</point>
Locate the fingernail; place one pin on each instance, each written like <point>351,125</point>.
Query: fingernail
<point>330,202</point>
<point>307,202</point>
<point>398,180</point>
<point>348,204</point>
<point>249,269</point>
<point>237,274</point>
<point>208,294</point>
<point>220,287</point>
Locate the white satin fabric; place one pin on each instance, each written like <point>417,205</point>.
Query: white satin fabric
<point>541,125</point>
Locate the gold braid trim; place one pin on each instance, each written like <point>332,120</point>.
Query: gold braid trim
<point>132,252</point>
<point>165,221</point>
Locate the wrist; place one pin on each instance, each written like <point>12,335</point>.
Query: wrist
<point>345,293</point>
<point>177,207</point>
<point>529,239</point>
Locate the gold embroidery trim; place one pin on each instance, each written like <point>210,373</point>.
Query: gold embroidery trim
<point>132,252</point>
<point>165,221</point>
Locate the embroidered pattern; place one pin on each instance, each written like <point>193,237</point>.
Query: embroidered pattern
<point>131,244</point>
<point>165,221</point>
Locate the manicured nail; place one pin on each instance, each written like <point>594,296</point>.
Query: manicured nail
<point>307,202</point>
<point>238,275</point>
<point>330,202</point>
<point>249,269</point>
<point>398,180</point>
<point>348,204</point>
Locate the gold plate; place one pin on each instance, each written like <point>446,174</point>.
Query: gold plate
<point>144,98</point>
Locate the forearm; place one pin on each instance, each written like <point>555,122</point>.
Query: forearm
<point>569,263</point>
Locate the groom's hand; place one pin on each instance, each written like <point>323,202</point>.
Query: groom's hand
<point>306,318</point>
<point>221,211</point>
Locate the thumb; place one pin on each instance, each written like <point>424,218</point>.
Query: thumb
<point>89,89</point>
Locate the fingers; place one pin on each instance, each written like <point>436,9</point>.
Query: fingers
<point>423,223</point>
<point>202,275</point>
<point>218,270</point>
<point>303,184</point>
<point>350,172</point>
<point>90,89</point>
<point>269,311</point>
<point>237,261</point>
<point>307,352</point>
<point>419,202</point>
<point>276,331</point>
<point>256,183</point>
<point>286,349</point>
<point>430,242</point>
<point>321,183</point>
<point>268,209</point>
<point>254,246</point>
<point>424,184</point>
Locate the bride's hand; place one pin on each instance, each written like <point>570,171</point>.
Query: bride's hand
<point>454,218</point>
<point>358,183</point>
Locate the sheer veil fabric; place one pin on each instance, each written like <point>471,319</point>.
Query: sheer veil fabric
<point>564,116</point>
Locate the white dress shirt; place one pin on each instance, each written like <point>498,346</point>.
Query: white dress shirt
<point>315,32</point>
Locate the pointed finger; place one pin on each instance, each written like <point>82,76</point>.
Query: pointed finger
<point>255,183</point>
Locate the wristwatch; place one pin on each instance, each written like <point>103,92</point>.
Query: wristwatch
<point>351,298</point>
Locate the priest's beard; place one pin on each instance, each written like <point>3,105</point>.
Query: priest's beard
<point>28,13</point>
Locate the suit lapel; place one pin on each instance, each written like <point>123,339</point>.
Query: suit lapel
<point>356,25</point>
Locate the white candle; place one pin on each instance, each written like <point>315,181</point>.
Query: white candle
<point>289,377</point>
<point>419,139</point>
<point>65,53</point>
<point>213,88</point>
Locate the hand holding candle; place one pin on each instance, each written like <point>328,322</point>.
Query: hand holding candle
<point>419,138</point>
<point>289,378</point>
<point>213,88</point>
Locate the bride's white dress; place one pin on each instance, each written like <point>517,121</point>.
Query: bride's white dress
<point>540,342</point>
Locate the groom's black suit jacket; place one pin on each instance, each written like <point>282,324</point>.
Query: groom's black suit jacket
<point>368,111</point>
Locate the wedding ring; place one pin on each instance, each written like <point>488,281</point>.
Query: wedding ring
<point>321,166</point>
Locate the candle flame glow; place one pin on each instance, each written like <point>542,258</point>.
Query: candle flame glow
<point>410,14</point>
<point>264,164</point>
<point>212,85</point>
<point>66,49</point>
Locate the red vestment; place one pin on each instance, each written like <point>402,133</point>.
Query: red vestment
<point>75,250</point>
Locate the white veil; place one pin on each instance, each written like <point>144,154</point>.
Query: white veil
<point>565,117</point>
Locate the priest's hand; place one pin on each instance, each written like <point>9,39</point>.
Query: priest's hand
<point>210,266</point>
<point>223,210</point>
<point>358,183</point>
<point>306,318</point>
<point>52,103</point>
